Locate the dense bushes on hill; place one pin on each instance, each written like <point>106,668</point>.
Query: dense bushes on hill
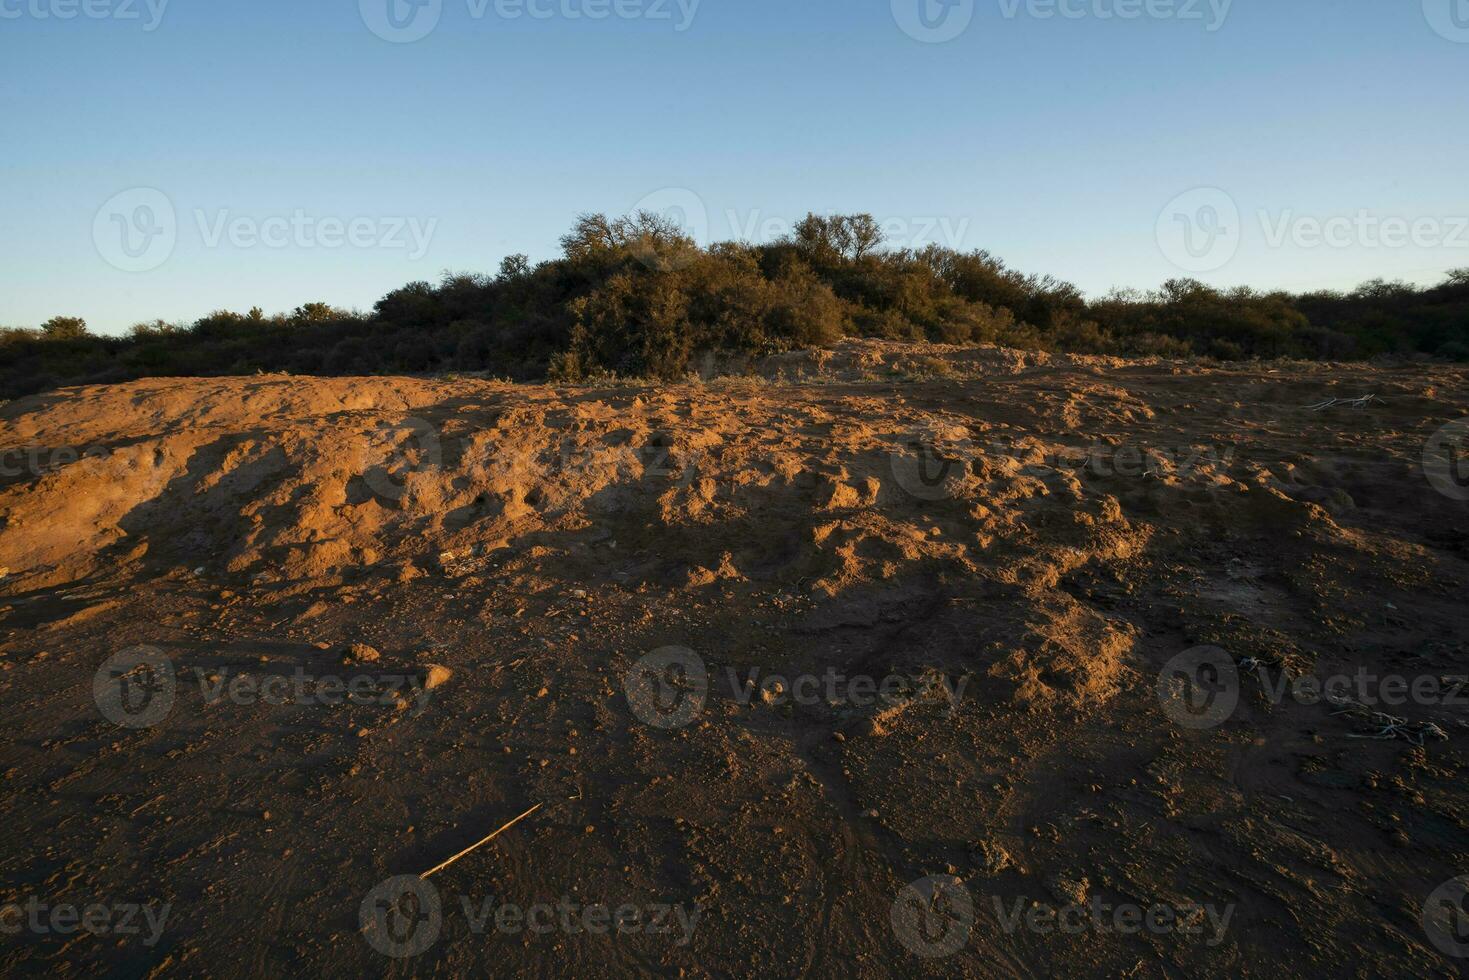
<point>634,297</point>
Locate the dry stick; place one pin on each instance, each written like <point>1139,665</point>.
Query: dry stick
<point>441,867</point>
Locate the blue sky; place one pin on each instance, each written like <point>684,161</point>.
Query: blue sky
<point>305,158</point>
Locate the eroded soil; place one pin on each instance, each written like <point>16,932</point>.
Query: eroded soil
<point>1027,541</point>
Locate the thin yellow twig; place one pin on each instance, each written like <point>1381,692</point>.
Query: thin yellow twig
<point>471,847</point>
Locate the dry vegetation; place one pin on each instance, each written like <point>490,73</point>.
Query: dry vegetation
<point>634,297</point>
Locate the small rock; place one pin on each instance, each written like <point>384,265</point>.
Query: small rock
<point>362,653</point>
<point>437,677</point>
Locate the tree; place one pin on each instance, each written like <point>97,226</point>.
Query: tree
<point>155,328</point>
<point>863,234</point>
<point>64,328</point>
<point>514,267</point>
<point>313,313</point>
<point>841,236</point>
<point>591,236</point>
<point>820,240</point>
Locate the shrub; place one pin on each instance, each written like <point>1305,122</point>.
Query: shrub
<point>64,328</point>
<point>636,296</point>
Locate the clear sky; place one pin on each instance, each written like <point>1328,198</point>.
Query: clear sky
<point>308,150</point>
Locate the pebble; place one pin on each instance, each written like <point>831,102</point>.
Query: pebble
<point>362,653</point>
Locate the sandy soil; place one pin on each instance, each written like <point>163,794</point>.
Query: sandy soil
<point>660,614</point>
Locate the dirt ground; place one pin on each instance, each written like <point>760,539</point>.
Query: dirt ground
<point>890,660</point>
